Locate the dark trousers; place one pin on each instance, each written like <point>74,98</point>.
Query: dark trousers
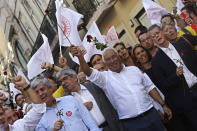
<point>149,122</point>
<point>186,120</point>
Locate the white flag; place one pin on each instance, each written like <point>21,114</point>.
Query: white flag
<point>154,11</point>
<point>43,54</point>
<point>13,91</point>
<point>90,46</point>
<point>67,20</point>
<point>179,5</point>
<point>20,73</point>
<point>112,36</point>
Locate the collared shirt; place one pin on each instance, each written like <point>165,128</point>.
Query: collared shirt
<point>30,120</point>
<point>127,90</point>
<point>155,103</point>
<point>86,96</point>
<point>172,53</point>
<point>75,116</point>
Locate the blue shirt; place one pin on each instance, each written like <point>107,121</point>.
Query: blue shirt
<point>74,114</point>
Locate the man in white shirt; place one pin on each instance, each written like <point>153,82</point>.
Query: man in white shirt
<point>127,89</point>
<point>174,66</point>
<point>31,119</point>
<point>92,97</point>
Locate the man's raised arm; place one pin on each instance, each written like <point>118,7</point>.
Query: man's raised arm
<point>22,85</point>
<point>84,66</point>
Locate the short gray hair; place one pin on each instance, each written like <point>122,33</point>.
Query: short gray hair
<point>40,79</point>
<point>153,27</point>
<point>107,49</point>
<point>68,72</point>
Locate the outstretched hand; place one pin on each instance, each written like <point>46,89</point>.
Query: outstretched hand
<point>46,65</point>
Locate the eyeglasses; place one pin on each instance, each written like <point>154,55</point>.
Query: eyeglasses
<point>167,22</point>
<point>155,34</point>
<point>59,83</point>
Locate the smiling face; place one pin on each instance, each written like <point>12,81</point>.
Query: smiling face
<point>112,60</point>
<point>169,32</point>
<point>146,41</point>
<point>141,55</point>
<point>20,100</point>
<point>122,52</point>
<point>158,37</point>
<point>69,83</point>
<point>45,93</point>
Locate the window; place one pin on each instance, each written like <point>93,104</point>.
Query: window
<point>19,52</point>
<point>142,18</point>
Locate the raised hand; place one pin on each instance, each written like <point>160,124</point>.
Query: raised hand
<point>2,96</point>
<point>63,62</point>
<point>75,51</point>
<point>19,82</point>
<point>46,65</point>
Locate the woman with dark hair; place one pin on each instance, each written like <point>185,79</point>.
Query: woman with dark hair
<point>96,59</point>
<point>142,59</point>
<point>124,54</point>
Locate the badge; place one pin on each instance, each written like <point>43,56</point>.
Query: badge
<point>68,113</point>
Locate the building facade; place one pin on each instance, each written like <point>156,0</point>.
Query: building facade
<point>126,15</point>
<point>23,21</point>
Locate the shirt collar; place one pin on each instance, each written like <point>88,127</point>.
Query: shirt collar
<point>169,48</point>
<point>82,88</point>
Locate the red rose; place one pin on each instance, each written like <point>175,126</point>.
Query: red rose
<point>183,52</point>
<point>89,37</point>
<point>166,116</point>
<point>47,11</point>
<point>54,101</point>
<point>68,113</point>
<point>5,73</point>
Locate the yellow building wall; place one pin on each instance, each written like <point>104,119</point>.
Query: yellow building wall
<point>3,43</point>
<point>122,12</point>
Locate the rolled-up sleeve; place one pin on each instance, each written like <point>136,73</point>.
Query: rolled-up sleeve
<point>98,78</point>
<point>148,84</point>
<point>34,115</point>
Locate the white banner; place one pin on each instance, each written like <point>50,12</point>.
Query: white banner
<point>43,54</point>
<point>67,20</point>
<point>112,36</point>
<point>20,73</point>
<point>90,46</point>
<point>154,11</point>
<point>179,5</point>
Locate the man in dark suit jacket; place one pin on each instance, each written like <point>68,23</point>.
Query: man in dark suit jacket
<point>68,79</point>
<point>172,79</point>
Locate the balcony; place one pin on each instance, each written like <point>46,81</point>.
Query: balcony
<point>87,8</point>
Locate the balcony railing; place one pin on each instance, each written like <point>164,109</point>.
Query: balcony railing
<point>87,8</point>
